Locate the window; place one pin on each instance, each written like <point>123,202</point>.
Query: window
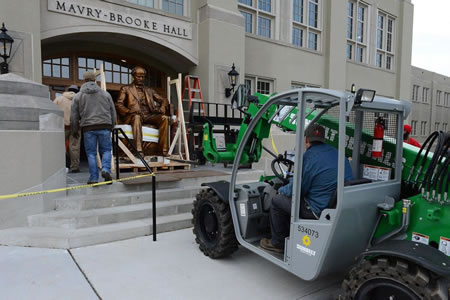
<point>265,5</point>
<point>248,21</point>
<point>306,26</point>
<point>248,84</point>
<point>298,11</point>
<point>413,127</point>
<point>356,31</point>
<point>264,27</point>
<point>246,2</point>
<point>258,16</point>
<point>438,97</point>
<point>298,85</point>
<point>148,3</point>
<point>446,99</point>
<point>423,128</point>
<point>436,126</point>
<point>264,87</point>
<point>114,73</point>
<point>173,6</point>
<point>56,67</point>
<point>297,37</point>
<point>415,93</point>
<point>385,41</point>
<point>425,95</point>
<point>444,127</point>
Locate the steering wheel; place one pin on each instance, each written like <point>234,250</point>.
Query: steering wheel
<point>281,160</point>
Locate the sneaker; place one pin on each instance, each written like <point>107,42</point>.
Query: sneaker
<point>106,176</point>
<point>92,182</point>
<point>267,245</point>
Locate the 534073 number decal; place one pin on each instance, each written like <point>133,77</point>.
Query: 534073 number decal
<point>308,231</point>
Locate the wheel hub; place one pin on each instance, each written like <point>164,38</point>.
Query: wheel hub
<point>208,223</point>
<point>385,289</point>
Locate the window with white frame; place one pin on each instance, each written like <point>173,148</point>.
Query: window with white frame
<point>385,41</point>
<point>436,126</point>
<point>299,85</point>
<point>413,127</point>
<point>175,7</point>
<point>357,31</point>
<point>425,92</point>
<point>256,84</point>
<point>438,97</point>
<point>259,16</point>
<point>147,3</point>
<point>446,99</point>
<point>415,93</point>
<point>423,128</point>
<point>306,24</point>
<point>444,127</point>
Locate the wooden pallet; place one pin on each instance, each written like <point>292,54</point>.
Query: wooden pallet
<point>156,166</point>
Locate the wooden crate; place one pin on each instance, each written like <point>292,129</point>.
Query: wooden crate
<point>156,166</point>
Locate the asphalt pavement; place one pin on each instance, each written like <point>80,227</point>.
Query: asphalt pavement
<point>171,268</point>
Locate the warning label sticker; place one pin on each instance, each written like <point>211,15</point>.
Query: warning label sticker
<point>420,238</point>
<point>243,210</point>
<point>444,245</point>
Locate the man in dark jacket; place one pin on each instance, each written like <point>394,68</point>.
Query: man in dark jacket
<point>93,110</point>
<point>319,182</point>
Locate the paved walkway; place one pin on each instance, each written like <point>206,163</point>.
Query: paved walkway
<point>171,268</point>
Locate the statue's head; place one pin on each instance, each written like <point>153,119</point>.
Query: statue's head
<point>138,74</point>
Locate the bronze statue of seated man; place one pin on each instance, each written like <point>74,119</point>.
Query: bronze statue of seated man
<point>140,105</point>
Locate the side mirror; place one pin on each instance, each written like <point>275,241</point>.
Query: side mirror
<point>240,97</point>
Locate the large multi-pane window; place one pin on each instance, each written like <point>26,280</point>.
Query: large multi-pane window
<point>173,6</point>
<point>248,21</point>
<point>264,27</point>
<point>114,72</point>
<point>259,85</point>
<point>423,128</point>
<point>436,126</point>
<point>259,17</point>
<point>446,99</point>
<point>356,31</point>
<point>385,41</point>
<point>444,127</point>
<point>306,27</point>
<point>56,67</point>
<point>148,3</point>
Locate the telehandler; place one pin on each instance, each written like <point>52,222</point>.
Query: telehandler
<point>389,228</point>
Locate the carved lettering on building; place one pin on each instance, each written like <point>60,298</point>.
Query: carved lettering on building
<point>152,23</point>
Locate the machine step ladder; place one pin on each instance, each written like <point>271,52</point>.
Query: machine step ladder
<point>192,94</point>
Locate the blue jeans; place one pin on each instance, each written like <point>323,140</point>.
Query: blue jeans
<point>103,139</point>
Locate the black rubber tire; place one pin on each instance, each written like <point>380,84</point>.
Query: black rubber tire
<point>221,240</point>
<point>386,274</point>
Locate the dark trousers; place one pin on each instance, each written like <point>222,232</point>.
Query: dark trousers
<point>280,218</point>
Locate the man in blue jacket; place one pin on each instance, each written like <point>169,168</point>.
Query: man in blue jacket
<point>319,182</point>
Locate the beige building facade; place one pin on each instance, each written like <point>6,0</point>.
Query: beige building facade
<point>275,44</point>
<point>430,96</point>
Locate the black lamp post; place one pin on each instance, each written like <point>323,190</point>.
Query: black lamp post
<point>233,76</point>
<point>5,48</point>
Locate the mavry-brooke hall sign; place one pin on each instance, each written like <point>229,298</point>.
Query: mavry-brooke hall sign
<point>149,22</point>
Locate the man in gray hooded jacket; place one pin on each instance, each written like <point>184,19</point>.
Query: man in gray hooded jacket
<point>93,110</point>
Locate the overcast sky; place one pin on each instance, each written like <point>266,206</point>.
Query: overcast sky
<point>431,37</point>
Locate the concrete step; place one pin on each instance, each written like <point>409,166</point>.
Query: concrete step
<point>84,202</point>
<point>63,238</point>
<point>244,175</point>
<point>97,217</point>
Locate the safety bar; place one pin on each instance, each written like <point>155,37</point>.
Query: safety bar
<point>115,139</point>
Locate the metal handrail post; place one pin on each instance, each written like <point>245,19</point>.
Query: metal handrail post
<point>149,169</point>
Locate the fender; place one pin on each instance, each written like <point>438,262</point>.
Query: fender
<point>423,255</point>
<point>222,189</point>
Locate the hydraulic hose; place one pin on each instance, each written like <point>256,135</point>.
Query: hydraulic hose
<point>405,223</point>
<point>416,160</point>
<point>443,173</point>
<point>432,165</point>
<point>436,175</point>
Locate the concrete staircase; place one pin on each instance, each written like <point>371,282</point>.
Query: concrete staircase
<point>113,212</point>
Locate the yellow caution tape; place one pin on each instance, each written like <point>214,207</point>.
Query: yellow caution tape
<point>72,187</point>
<point>273,144</point>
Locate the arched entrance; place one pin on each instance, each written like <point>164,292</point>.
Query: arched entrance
<point>61,71</point>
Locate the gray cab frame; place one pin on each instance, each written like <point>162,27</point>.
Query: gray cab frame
<point>332,243</point>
